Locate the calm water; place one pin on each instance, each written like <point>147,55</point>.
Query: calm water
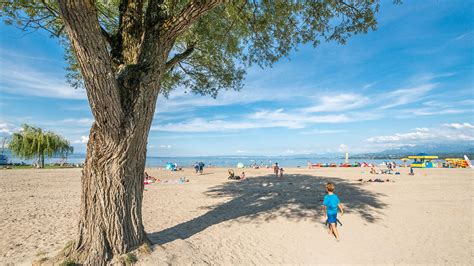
<point>223,161</point>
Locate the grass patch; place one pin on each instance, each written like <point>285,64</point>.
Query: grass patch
<point>145,249</point>
<point>68,262</point>
<point>130,259</point>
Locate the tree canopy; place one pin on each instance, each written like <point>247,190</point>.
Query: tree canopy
<point>34,143</point>
<point>213,52</point>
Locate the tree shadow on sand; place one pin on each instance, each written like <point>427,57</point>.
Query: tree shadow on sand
<point>260,199</point>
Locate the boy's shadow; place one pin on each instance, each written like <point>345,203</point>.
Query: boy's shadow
<point>265,198</point>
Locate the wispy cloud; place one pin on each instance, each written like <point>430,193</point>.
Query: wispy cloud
<point>447,132</point>
<point>180,100</point>
<point>337,103</point>
<point>369,85</point>
<point>323,131</point>
<point>4,53</point>
<point>165,146</point>
<point>459,125</point>
<point>294,119</point>
<point>407,95</point>
<point>19,79</point>
<point>462,36</point>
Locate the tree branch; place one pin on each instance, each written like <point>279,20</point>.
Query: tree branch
<point>130,30</point>
<point>84,31</point>
<point>190,14</point>
<point>351,7</point>
<point>179,57</point>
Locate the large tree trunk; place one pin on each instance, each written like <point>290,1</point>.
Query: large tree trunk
<point>112,187</point>
<point>112,181</point>
<point>111,201</point>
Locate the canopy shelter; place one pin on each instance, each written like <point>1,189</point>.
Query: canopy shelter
<point>423,160</point>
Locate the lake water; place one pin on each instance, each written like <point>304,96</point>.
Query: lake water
<point>222,161</point>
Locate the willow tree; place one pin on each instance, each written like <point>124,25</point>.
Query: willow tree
<point>34,143</point>
<point>128,52</point>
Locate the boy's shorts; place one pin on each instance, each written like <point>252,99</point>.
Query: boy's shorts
<point>332,218</point>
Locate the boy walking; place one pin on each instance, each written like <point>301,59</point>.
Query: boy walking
<point>330,205</point>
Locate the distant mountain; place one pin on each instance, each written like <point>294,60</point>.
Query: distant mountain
<point>442,150</point>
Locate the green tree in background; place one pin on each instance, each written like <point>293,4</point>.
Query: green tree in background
<point>34,143</point>
<point>127,52</point>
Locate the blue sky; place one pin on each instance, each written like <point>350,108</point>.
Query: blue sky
<point>410,82</point>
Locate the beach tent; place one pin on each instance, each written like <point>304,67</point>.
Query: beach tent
<point>240,165</point>
<point>170,166</point>
<point>423,160</point>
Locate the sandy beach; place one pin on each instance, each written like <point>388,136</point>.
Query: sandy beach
<point>426,218</point>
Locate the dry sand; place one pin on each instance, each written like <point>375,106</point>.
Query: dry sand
<point>426,218</point>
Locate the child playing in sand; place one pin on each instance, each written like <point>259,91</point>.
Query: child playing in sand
<point>330,205</point>
<point>242,176</point>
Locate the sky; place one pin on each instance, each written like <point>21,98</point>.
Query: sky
<point>410,82</point>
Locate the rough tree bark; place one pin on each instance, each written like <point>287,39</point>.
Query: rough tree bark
<point>122,84</point>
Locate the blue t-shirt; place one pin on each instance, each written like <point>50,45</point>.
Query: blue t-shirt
<point>331,202</point>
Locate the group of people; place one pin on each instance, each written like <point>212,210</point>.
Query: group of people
<point>278,170</point>
<point>233,176</point>
<point>199,167</point>
<point>391,166</point>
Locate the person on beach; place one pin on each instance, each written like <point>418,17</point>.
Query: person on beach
<point>331,204</point>
<point>196,167</point>
<point>276,169</point>
<point>201,167</point>
<point>242,176</point>
<point>281,172</point>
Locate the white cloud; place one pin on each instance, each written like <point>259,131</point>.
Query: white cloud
<point>448,132</point>
<point>338,103</point>
<point>459,125</point>
<point>83,140</point>
<point>369,85</point>
<point>77,121</point>
<point>449,104</point>
<point>23,80</point>
<point>406,113</point>
<point>343,148</point>
<point>165,146</point>
<point>406,95</point>
<point>179,101</point>
<point>324,131</point>
<point>261,119</point>
<point>414,136</point>
<point>7,129</point>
